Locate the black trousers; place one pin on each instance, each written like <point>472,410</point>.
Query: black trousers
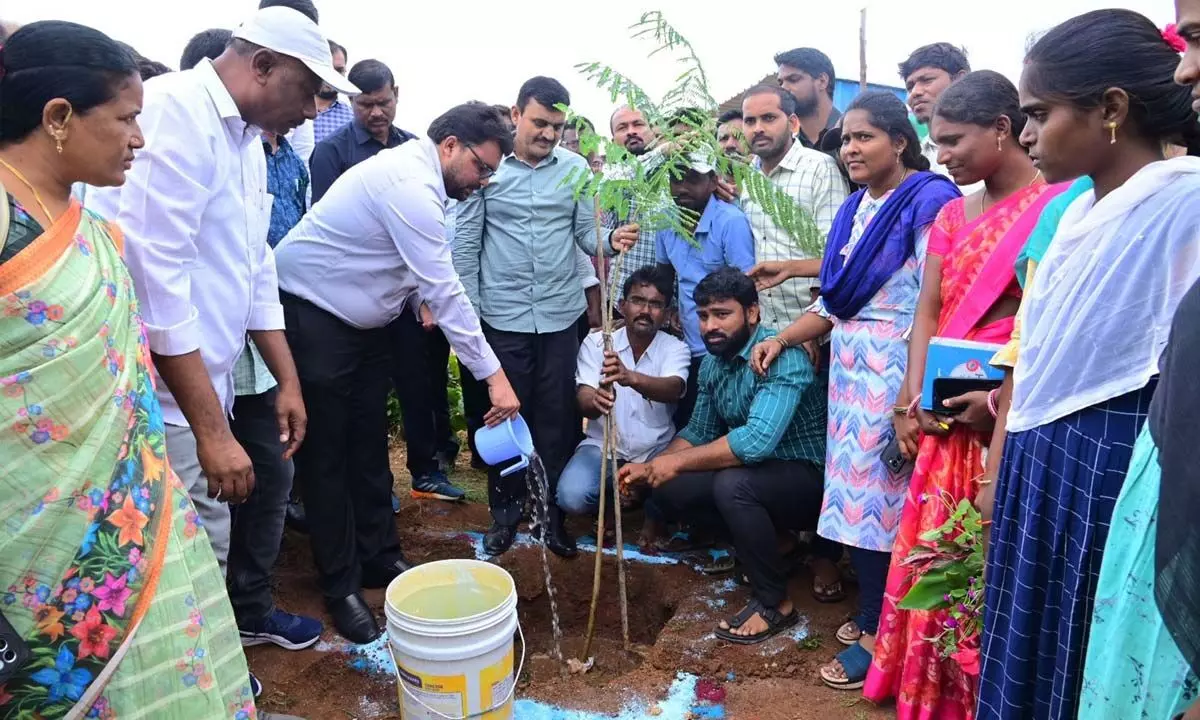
<point>541,369</point>
<point>755,503</point>
<point>419,364</point>
<point>257,523</point>
<point>476,402</point>
<point>683,411</point>
<point>342,467</point>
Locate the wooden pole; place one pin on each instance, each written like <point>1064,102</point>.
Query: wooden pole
<point>862,51</point>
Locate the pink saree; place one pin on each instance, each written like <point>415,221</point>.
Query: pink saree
<point>977,271</point>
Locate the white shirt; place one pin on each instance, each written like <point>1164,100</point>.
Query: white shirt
<point>195,212</point>
<point>929,150</point>
<point>644,427</point>
<point>377,238</point>
<point>816,183</point>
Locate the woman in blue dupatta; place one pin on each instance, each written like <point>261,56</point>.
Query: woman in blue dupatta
<point>870,281</point>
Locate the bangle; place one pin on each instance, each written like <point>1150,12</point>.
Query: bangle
<point>779,339</point>
<point>912,406</point>
<point>991,402</point>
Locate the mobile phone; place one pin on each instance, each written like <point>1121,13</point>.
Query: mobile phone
<point>895,460</point>
<point>14,652</point>
<point>946,388</point>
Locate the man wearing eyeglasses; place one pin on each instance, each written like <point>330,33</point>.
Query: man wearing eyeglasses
<point>347,271</point>
<point>515,250</point>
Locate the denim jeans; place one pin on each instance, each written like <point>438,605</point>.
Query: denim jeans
<point>579,484</point>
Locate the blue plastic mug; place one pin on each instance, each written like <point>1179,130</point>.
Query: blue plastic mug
<point>504,442</point>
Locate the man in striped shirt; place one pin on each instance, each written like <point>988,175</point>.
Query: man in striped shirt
<point>752,456</point>
<point>810,177</point>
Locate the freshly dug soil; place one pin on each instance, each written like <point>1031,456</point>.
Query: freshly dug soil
<point>672,612</point>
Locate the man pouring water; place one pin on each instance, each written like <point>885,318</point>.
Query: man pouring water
<point>375,240</point>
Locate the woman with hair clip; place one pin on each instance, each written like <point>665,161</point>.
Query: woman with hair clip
<point>870,280</point>
<point>105,576</point>
<point>1100,99</point>
<point>969,292</point>
<point>1150,577</point>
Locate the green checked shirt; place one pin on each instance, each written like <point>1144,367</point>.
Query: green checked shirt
<point>779,417</point>
<point>250,373</point>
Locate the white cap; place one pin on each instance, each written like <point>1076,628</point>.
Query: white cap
<point>702,163</point>
<point>289,32</point>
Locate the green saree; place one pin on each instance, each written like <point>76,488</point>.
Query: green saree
<point>104,568</point>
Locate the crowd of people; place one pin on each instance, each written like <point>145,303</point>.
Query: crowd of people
<point>213,278</point>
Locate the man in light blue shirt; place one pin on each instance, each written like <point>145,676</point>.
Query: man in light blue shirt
<point>722,238</point>
<point>515,250</point>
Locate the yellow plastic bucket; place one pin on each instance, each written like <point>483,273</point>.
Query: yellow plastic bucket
<point>450,628</point>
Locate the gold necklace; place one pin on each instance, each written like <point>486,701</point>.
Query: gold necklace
<point>36,195</point>
<point>983,196</point>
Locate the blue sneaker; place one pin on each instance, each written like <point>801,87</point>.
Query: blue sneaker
<point>437,486</point>
<point>395,504</point>
<point>288,631</point>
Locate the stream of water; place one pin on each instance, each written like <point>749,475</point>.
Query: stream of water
<point>539,491</point>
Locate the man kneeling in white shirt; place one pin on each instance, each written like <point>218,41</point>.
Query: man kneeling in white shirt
<point>640,380</point>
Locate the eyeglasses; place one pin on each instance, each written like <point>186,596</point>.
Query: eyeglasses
<point>485,171</point>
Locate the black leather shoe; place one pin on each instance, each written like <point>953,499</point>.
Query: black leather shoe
<point>560,542</point>
<point>353,619</point>
<point>295,517</point>
<point>499,539</point>
<point>374,578</point>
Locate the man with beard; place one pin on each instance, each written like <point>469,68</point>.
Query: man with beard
<point>370,130</point>
<point>631,131</point>
<point>721,238</point>
<point>807,73</point>
<point>810,177</point>
<point>752,456</point>
<point>515,250</point>
<point>638,381</point>
<point>346,272</point>
<point>730,134</point>
<point>332,113</point>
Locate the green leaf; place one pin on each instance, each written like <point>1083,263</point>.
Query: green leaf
<point>928,593</point>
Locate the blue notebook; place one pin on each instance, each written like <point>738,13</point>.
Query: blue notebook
<point>960,360</point>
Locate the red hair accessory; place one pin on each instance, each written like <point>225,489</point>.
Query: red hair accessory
<point>1174,39</point>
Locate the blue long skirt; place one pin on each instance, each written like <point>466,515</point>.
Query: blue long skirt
<point>1054,500</point>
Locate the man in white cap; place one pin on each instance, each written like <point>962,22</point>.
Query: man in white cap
<point>195,212</point>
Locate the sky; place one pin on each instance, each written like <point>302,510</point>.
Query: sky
<point>450,51</point>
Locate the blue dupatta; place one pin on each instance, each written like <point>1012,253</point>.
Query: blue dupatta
<point>848,284</point>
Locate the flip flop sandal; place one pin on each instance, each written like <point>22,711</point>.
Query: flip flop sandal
<point>746,613</point>
<point>720,562</point>
<point>849,633</point>
<point>828,593</point>
<point>855,662</point>
<point>681,542</point>
<point>777,622</point>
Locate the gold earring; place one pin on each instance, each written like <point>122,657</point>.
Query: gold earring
<point>58,143</point>
<point>1112,126</point>
<point>999,143</point>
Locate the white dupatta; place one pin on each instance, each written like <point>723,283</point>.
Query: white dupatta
<point>1100,307</point>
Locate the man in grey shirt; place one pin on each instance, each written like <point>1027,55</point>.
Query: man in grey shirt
<point>514,249</point>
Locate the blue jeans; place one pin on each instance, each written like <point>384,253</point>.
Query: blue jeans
<point>579,484</point>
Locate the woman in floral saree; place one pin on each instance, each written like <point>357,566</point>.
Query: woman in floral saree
<point>104,572</point>
<point>970,292</point>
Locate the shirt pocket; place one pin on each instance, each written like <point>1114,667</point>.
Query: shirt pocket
<point>710,254</point>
